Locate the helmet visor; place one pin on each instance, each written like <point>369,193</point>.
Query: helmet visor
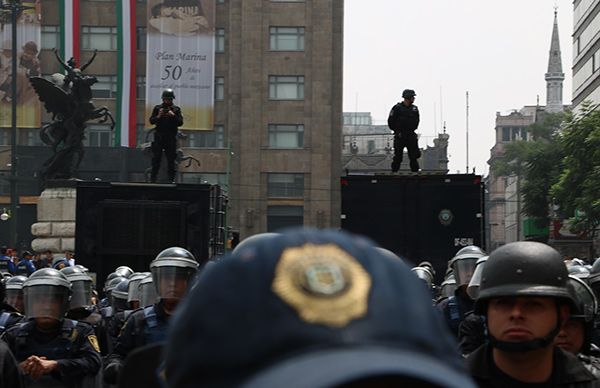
<point>172,282</point>
<point>147,294</point>
<point>45,301</point>
<point>463,270</point>
<point>586,302</point>
<point>473,287</point>
<point>118,304</point>
<point>424,275</point>
<point>133,292</point>
<point>14,297</point>
<point>447,289</point>
<point>82,294</point>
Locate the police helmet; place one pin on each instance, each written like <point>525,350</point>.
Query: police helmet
<point>168,93</point>
<point>586,308</point>
<point>81,287</point>
<point>427,264</point>
<point>425,275</point>
<point>124,271</point>
<point>46,294</point>
<point>59,263</point>
<point>524,269</point>
<point>464,262</point>
<point>118,297</point>
<point>578,270</point>
<point>473,287</point>
<point>147,291</point>
<point>133,293</point>
<point>448,286</point>
<point>111,284</point>
<point>408,93</point>
<point>14,292</point>
<point>253,240</point>
<point>172,270</point>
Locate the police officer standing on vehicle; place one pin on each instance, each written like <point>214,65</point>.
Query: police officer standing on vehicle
<point>53,351</point>
<point>525,298</point>
<point>167,118</point>
<point>172,272</point>
<point>404,120</point>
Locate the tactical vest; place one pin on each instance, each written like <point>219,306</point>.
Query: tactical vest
<point>22,269</point>
<point>58,348</point>
<point>154,330</point>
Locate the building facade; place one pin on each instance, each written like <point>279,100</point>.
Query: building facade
<point>586,52</point>
<point>504,201</point>
<point>276,142</point>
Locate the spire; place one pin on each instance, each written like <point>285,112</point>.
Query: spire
<point>555,75</point>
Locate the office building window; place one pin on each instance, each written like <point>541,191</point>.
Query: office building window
<point>98,38</point>
<point>140,87</point>
<point>205,139</point>
<point>99,135</point>
<point>283,87</point>
<point>285,185</point>
<point>286,38</point>
<point>279,217</point>
<point>220,40</point>
<point>219,88</point>
<point>50,37</point>
<point>140,38</point>
<point>106,87</point>
<point>286,135</point>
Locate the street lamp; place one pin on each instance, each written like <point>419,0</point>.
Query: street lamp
<point>15,8</point>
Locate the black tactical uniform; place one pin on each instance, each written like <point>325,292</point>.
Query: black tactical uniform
<point>9,316</point>
<point>149,325</point>
<point>166,118</point>
<point>404,120</point>
<point>9,369</point>
<point>71,344</point>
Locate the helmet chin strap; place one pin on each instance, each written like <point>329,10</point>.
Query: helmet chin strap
<point>527,346</point>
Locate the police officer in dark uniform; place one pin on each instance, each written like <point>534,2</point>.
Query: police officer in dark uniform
<point>456,307</point>
<point>53,351</point>
<point>167,118</point>
<point>172,271</point>
<point>6,264</point>
<point>14,293</point>
<point>9,316</point>
<point>525,298</point>
<point>25,267</point>
<point>404,120</point>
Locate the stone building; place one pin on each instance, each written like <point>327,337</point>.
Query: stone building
<point>586,52</point>
<point>278,155</point>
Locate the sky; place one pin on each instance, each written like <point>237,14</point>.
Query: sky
<point>497,51</point>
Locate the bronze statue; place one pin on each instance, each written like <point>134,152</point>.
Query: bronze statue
<point>69,99</point>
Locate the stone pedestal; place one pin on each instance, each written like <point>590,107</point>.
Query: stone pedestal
<point>55,229</point>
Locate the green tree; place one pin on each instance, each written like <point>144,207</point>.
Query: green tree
<point>577,190</point>
<point>536,162</point>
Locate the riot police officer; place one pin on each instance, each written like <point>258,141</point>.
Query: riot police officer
<point>14,293</point>
<point>25,267</point>
<point>6,264</point>
<point>525,298</point>
<point>53,351</point>
<point>9,316</point>
<point>404,120</point>
<point>167,118</point>
<point>456,307</point>
<point>172,271</point>
<point>133,292</point>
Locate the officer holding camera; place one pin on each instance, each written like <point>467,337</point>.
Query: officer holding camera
<point>167,118</point>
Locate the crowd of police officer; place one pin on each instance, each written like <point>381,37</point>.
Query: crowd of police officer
<point>307,308</point>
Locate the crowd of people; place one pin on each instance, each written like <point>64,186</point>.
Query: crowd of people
<point>307,308</point>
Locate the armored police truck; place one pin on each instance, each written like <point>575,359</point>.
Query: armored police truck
<point>418,217</point>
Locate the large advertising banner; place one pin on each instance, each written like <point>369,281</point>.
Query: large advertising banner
<point>180,56</point>
<point>29,36</point>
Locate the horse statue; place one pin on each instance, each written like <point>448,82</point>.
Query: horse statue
<point>69,99</point>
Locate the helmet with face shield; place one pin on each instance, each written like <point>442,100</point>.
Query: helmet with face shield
<point>425,275</point>
<point>473,287</point>
<point>448,286</point>
<point>14,292</point>
<point>81,287</point>
<point>464,262</point>
<point>147,291</point>
<point>133,293</point>
<point>172,271</point>
<point>118,296</point>
<point>46,294</point>
<point>124,271</point>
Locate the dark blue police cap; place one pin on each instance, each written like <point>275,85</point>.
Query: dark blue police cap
<point>309,308</point>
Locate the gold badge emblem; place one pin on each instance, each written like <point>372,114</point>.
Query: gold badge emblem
<point>323,283</point>
<point>94,341</point>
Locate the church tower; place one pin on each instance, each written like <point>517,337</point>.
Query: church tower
<point>555,75</point>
